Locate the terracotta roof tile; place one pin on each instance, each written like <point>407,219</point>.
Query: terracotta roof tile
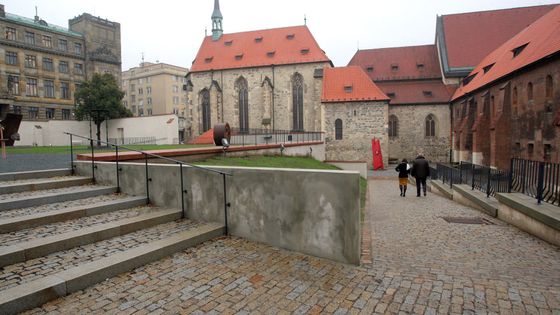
<point>349,84</point>
<point>288,45</point>
<point>471,36</point>
<point>412,62</point>
<point>542,39</point>
<point>417,92</point>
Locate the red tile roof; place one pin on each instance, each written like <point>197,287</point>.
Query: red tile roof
<point>205,138</point>
<point>542,39</point>
<point>279,46</point>
<point>417,91</point>
<point>410,62</point>
<point>471,36</point>
<point>349,84</point>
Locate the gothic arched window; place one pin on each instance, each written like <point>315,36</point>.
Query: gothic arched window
<point>206,120</point>
<point>549,87</point>
<point>529,91</point>
<point>430,126</point>
<point>297,102</point>
<point>243,101</point>
<point>338,129</point>
<point>393,126</point>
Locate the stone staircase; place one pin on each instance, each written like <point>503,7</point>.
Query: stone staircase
<point>61,233</point>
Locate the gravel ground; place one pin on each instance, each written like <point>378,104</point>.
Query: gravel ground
<point>33,162</point>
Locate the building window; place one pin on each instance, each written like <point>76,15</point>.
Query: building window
<point>140,102</point>
<point>62,45</point>
<point>369,69</point>
<point>338,129</point>
<point>133,109</point>
<point>31,87</point>
<point>175,100</point>
<point>30,61</point>
<point>547,152</point>
<point>11,33</point>
<point>140,111</point>
<point>64,90</point>
<point>149,90</point>
<point>430,126</point>
<point>393,126</point>
<point>13,84</point>
<point>17,109</point>
<point>516,51</point>
<point>297,102</point>
<point>394,67</point>
<point>49,88</point>
<point>149,101</point>
<point>175,89</point>
<point>140,91</point>
<point>132,87</point>
<point>66,114</point>
<point>514,100</point>
<point>529,91</point>
<point>48,64</point>
<point>11,58</point>
<point>549,87</point>
<point>530,149</point>
<point>78,68</point>
<point>77,48</point>
<point>30,38</point>
<point>133,99</point>
<point>206,118</point>
<point>243,103</point>
<point>63,66</point>
<point>33,112</point>
<point>47,41</point>
<point>149,111</point>
<point>49,113</point>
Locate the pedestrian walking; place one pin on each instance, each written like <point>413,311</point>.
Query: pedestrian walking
<point>420,171</point>
<point>404,169</point>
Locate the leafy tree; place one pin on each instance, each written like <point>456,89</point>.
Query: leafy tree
<point>99,99</point>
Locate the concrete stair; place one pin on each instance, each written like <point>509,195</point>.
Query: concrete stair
<point>61,234</point>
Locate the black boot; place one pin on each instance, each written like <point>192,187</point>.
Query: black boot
<point>404,191</point>
<point>401,188</point>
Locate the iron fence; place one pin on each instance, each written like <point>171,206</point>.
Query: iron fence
<point>536,179</point>
<point>479,177</point>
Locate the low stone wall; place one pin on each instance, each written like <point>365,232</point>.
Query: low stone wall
<point>316,212</point>
<point>359,166</point>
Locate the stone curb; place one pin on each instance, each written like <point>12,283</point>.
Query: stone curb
<point>54,197</point>
<point>44,246</point>
<point>38,292</point>
<point>29,221</point>
<point>477,199</point>
<point>35,174</point>
<point>44,184</point>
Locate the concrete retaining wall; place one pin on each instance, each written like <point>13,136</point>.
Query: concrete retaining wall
<point>359,166</point>
<point>311,211</point>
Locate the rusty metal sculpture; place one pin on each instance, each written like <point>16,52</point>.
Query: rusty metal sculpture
<point>221,131</point>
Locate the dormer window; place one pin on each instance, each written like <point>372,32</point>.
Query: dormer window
<point>348,88</point>
<point>290,36</point>
<point>488,67</point>
<point>270,54</point>
<point>427,93</point>
<point>391,94</point>
<point>228,43</point>
<point>304,51</point>
<point>258,39</point>
<point>394,67</point>
<point>517,50</point>
<point>208,59</point>
<point>468,79</point>
<point>238,56</point>
<point>370,69</point>
<point>420,66</point>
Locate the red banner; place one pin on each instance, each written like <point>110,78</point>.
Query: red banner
<point>377,156</point>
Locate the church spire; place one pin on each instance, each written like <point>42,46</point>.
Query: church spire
<point>217,17</point>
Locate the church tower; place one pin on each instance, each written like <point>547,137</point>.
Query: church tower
<point>217,17</point>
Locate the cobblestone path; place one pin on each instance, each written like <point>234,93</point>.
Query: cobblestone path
<point>421,265</point>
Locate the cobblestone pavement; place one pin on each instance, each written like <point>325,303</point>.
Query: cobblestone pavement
<point>70,225</point>
<point>421,265</point>
<point>59,205</point>
<point>30,270</point>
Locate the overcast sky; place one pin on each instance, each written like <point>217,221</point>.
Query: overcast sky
<point>171,31</point>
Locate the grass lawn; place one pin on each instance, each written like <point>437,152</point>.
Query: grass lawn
<point>282,162</point>
<point>83,148</point>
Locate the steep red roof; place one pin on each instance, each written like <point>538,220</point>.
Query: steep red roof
<point>542,39</point>
<point>349,84</point>
<point>279,46</point>
<point>471,36</point>
<point>410,62</point>
<point>205,138</point>
<point>417,92</point>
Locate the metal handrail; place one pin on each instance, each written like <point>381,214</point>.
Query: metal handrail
<point>146,154</point>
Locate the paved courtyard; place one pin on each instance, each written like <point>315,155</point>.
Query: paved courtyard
<point>420,264</point>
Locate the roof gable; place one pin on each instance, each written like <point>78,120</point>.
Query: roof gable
<point>349,84</point>
<point>288,45</point>
<point>397,63</point>
<point>468,37</point>
<point>541,39</point>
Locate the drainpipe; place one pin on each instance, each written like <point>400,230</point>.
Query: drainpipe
<point>273,96</point>
<point>222,94</point>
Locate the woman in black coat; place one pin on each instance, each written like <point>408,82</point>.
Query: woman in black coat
<point>404,169</point>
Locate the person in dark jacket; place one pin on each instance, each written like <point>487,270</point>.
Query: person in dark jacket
<point>420,171</point>
<point>403,168</point>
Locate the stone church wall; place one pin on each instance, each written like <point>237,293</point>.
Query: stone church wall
<point>361,122</point>
<point>411,139</point>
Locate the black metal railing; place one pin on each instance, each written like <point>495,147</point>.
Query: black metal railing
<point>447,174</point>
<point>536,179</point>
<point>264,136</point>
<point>148,179</point>
<point>483,178</point>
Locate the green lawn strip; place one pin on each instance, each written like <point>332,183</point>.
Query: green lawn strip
<point>283,162</point>
<point>85,149</point>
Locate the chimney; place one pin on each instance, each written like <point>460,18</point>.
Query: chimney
<point>2,12</point>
